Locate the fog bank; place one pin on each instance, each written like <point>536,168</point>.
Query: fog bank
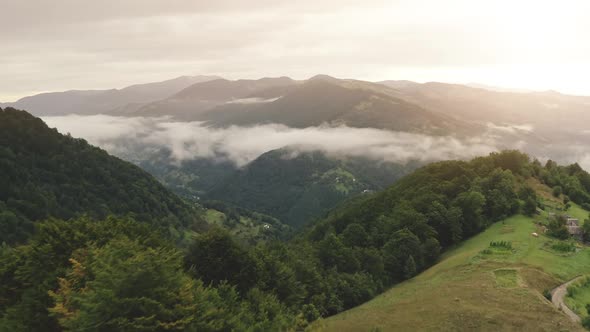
<point>135,137</point>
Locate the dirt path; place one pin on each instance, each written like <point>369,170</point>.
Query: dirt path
<point>557,297</point>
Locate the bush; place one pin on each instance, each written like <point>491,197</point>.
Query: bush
<point>310,313</point>
<point>575,288</point>
<point>557,228</point>
<point>501,244</point>
<point>564,246</point>
<point>547,294</point>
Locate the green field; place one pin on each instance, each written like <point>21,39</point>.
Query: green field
<point>577,212</point>
<point>472,288</point>
<point>579,296</point>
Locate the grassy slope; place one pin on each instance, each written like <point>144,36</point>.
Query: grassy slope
<point>465,291</point>
<point>578,301</point>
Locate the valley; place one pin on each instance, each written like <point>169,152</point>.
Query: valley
<point>294,166</point>
<point>359,208</point>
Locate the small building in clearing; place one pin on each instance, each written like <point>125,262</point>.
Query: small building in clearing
<point>576,232</point>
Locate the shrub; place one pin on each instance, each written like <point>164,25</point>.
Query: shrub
<point>557,191</point>
<point>547,294</point>
<point>501,244</point>
<point>564,246</point>
<point>486,252</point>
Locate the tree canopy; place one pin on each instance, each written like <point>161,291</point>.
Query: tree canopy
<point>46,174</point>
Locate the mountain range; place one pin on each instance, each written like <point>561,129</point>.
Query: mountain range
<point>430,108</point>
<point>103,101</point>
<point>545,124</point>
<point>359,245</point>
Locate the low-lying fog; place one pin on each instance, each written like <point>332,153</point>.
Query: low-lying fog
<point>131,136</point>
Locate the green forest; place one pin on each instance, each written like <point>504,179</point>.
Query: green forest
<point>45,174</point>
<point>90,242</point>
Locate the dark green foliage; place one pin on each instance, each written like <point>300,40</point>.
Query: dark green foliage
<point>310,313</point>
<point>570,180</point>
<point>557,227</point>
<point>125,286</point>
<point>562,246</point>
<point>397,252</point>
<point>189,178</point>
<point>119,275</point>
<point>30,271</point>
<point>234,217</point>
<point>122,275</point>
<point>410,267</point>
<point>501,244</point>
<point>333,253</point>
<point>530,207</point>
<point>529,197</point>
<point>391,236</point>
<point>547,294</point>
<point>557,191</point>
<point>498,188</point>
<point>45,174</point>
<point>586,229</point>
<point>215,257</point>
<point>471,205</point>
<point>297,187</point>
<point>355,236</point>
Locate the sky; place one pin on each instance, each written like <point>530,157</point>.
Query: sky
<point>70,44</point>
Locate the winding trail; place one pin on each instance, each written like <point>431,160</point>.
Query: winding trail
<point>557,297</point>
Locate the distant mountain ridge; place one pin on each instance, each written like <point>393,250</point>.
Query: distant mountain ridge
<point>103,101</point>
<point>547,112</point>
<point>191,102</point>
<point>326,100</point>
<point>533,121</point>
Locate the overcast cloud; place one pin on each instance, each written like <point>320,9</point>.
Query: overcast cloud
<point>69,44</point>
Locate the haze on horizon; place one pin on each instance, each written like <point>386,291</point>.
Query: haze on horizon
<point>68,44</point>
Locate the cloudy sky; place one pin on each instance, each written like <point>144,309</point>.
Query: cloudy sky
<point>66,44</point>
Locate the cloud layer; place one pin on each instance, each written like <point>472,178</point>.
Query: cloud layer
<point>189,140</point>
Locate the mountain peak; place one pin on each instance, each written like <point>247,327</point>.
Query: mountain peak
<point>323,77</point>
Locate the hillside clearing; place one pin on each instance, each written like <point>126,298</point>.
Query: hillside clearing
<point>469,290</point>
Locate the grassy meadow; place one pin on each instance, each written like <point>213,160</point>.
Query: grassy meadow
<point>478,287</point>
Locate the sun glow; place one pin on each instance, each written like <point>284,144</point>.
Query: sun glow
<point>533,45</point>
<point>514,43</point>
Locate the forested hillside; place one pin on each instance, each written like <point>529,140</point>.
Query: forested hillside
<point>118,274</point>
<point>296,187</point>
<point>45,174</point>
<point>290,185</point>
